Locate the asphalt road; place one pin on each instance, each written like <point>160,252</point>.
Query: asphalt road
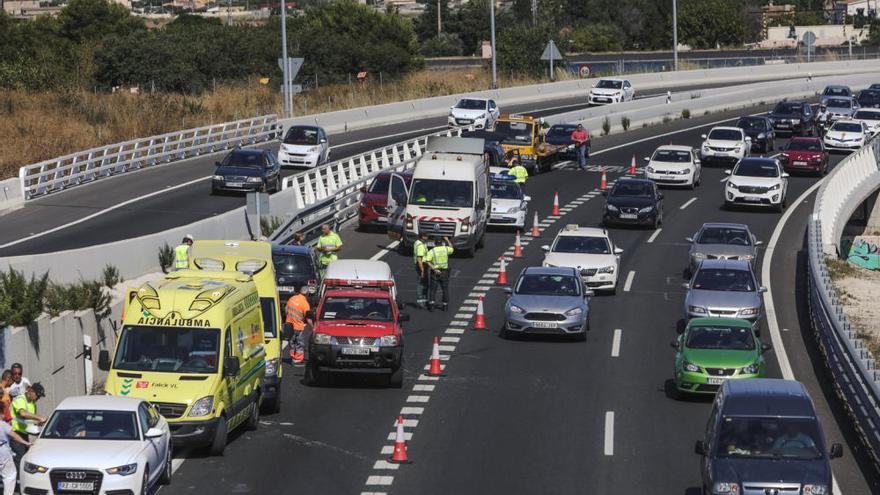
<point>531,415</point>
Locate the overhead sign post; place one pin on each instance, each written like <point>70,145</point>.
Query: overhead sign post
<point>289,72</point>
<point>551,53</point>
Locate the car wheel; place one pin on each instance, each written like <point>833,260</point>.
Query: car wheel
<point>313,376</point>
<point>395,379</point>
<point>781,206</point>
<point>693,183</point>
<point>482,242</point>
<point>145,481</point>
<point>727,205</point>
<point>504,333</point>
<point>218,445</point>
<point>254,419</point>
<point>165,479</point>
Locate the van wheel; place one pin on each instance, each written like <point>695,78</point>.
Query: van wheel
<point>395,379</point>
<point>218,445</point>
<point>165,478</point>
<point>482,242</point>
<point>254,419</point>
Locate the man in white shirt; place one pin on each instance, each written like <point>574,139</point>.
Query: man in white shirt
<point>20,383</point>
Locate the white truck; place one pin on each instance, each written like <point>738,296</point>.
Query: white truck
<point>449,195</point>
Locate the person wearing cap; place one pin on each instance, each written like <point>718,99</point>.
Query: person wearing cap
<point>329,244</point>
<point>438,260</point>
<point>8,468</point>
<point>20,383</point>
<point>581,139</point>
<point>183,253</point>
<point>24,414</point>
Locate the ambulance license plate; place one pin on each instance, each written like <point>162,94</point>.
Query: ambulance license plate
<point>356,351</point>
<point>79,486</point>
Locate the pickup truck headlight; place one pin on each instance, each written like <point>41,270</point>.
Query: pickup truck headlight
<point>689,366</point>
<point>271,367</point>
<point>202,407</point>
<point>123,470</point>
<point>387,341</point>
<point>750,369</point>
<point>606,269</point>
<point>815,489</point>
<point>697,309</point>
<point>31,468</point>
<point>749,311</point>
<point>726,488</point>
<point>516,309</point>
<point>321,338</point>
<point>255,179</point>
<point>574,312</point>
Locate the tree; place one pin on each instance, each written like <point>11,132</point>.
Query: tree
<point>711,23</point>
<point>520,48</point>
<point>83,20</point>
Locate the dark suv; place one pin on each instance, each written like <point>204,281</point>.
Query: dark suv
<point>247,169</point>
<point>763,437</point>
<point>633,201</point>
<point>760,129</point>
<point>795,117</point>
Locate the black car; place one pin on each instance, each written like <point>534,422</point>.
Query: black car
<point>874,86</point>
<point>760,129</point>
<point>635,202</point>
<point>560,134</point>
<point>869,98</point>
<point>795,117</point>
<point>295,267</point>
<point>247,169</point>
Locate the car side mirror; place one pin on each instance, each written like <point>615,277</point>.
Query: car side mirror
<point>647,158</point>
<point>703,136</point>
<point>589,293</point>
<point>527,198</point>
<point>216,164</point>
<point>689,239</point>
<point>508,291</point>
<point>700,447</point>
<point>104,360</point>
<point>762,289</point>
<point>363,189</point>
<point>766,347</point>
<point>287,331</point>
<point>748,139</point>
<point>759,243</point>
<point>784,175</point>
<point>617,250</point>
<point>545,248</point>
<point>674,344</point>
<point>728,172</point>
<point>686,286</point>
<point>402,317</point>
<point>153,433</point>
<point>231,366</point>
<point>836,451</point>
<point>323,141</point>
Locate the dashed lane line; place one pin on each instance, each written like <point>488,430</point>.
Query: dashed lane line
<point>687,203</point>
<point>627,285</point>
<point>654,235</point>
<point>609,433</point>
<point>387,249</point>
<point>615,343</point>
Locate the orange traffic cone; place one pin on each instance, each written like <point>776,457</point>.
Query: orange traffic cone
<point>536,232</point>
<point>480,319</point>
<point>556,203</point>
<point>435,369</point>
<point>517,247</point>
<point>603,185</point>
<point>632,166</point>
<point>399,456</point>
<point>502,275</point>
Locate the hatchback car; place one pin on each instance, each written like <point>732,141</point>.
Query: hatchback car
<point>725,145</point>
<point>247,169</point>
<point>760,129</point>
<point>724,289</point>
<point>547,301</point>
<point>871,117</point>
<point>835,109</point>
<point>611,90</point>
<point>634,202</point>
<point>304,146</point>
<point>480,113</point>
<point>295,266</point>
<point>722,241</point>
<point>756,182</point>
<point>713,350</point>
<point>846,135</point>
<point>590,251</point>
<point>373,207</point>
<point>834,91</point>
<point>674,166</point>
<point>805,154</point>
<point>793,117</point>
<point>509,205</point>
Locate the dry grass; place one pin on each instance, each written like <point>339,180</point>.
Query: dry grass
<point>41,126</point>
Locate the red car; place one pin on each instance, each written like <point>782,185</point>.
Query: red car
<point>373,210</point>
<point>805,154</point>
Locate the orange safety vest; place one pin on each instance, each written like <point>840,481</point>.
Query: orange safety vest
<point>296,309</point>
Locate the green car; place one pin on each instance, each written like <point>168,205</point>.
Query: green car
<point>711,350</point>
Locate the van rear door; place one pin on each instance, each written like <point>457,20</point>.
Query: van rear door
<point>398,194</point>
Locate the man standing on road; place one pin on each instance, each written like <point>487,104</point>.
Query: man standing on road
<point>438,259</point>
<point>420,251</point>
<point>581,139</point>
<point>329,244</point>
<point>519,174</point>
<point>20,383</point>
<point>24,413</point>
<point>296,309</point>
<point>183,253</point>
<point>8,471</point>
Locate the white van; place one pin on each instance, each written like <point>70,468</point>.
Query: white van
<point>449,195</point>
<point>358,273</point>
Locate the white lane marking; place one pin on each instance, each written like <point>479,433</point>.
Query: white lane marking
<point>387,249</point>
<point>429,378</point>
<point>407,423</point>
<point>462,316</point>
<point>454,340</point>
<point>459,323</point>
<point>472,301</point>
<point>418,398</point>
<point>422,388</point>
<point>555,217</point>
<point>377,138</point>
<point>687,203</point>
<point>468,309</point>
<point>446,348</point>
<point>407,435</point>
<point>615,343</point>
<point>176,463</point>
<point>383,464</point>
<point>380,480</point>
<point>412,410</point>
<point>654,235</point>
<point>629,280</point>
<point>455,331</point>
<point>609,433</point>
<point>657,136</point>
<point>374,493</point>
<point>387,449</point>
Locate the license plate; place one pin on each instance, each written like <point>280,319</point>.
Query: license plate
<point>800,164</point>
<point>286,288</point>
<point>382,219</point>
<point>752,199</point>
<point>356,351</point>
<point>235,184</point>
<point>544,324</point>
<point>81,486</point>
<point>721,154</point>
<point>629,216</point>
<point>782,125</point>
<point>714,381</point>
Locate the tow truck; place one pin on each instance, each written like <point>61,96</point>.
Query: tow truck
<point>524,135</point>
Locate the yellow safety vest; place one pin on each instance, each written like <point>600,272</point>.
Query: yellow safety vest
<point>419,250</point>
<point>19,425</point>
<point>181,257</point>
<point>520,173</point>
<point>438,257</point>
<point>330,240</point>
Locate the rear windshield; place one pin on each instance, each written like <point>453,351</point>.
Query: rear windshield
<point>356,308</point>
<point>292,264</point>
<point>797,145</point>
<point>724,279</point>
<point>674,156</point>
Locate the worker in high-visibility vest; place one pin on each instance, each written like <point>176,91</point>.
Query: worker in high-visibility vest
<point>24,414</point>
<point>296,309</point>
<point>8,469</point>
<point>420,251</point>
<point>438,260</point>
<point>329,244</point>
<point>183,253</point>
<point>519,173</point>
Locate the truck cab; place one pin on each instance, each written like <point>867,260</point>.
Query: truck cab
<point>524,135</point>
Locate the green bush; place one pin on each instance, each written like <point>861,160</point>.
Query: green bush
<point>111,276</point>
<point>270,224</point>
<point>166,257</point>
<point>606,126</point>
<point>624,122</point>
<point>78,296</point>
<point>21,300</point>
<point>685,113</point>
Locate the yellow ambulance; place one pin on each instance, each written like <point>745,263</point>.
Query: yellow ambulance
<point>192,344</point>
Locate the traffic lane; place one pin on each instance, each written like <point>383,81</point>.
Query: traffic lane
<point>699,54</point>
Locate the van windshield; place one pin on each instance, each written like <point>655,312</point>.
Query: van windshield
<point>445,193</point>
<point>769,438</point>
<point>168,349</point>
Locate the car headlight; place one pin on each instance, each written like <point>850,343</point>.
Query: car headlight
<point>465,227</point>
<point>697,309</point>
<point>749,311</point>
<point>699,256</point>
<point>774,187</point>
<point>649,169</point>
<point>387,341</point>
<point>610,207</point>
<point>750,369</point>
<point>747,257</point>
<point>513,209</point>
<point>271,367</point>
<point>738,148</point>
<point>255,179</point>
<point>574,312</point>
<point>705,147</point>
<point>202,407</point>
<point>761,135</point>
<point>731,185</point>
<point>123,470</point>
<point>647,209</point>
<point>606,269</point>
<point>313,149</point>
<point>726,488</point>
<point>321,338</point>
<point>218,177</point>
<point>516,309</point>
<point>815,489</point>
<point>32,468</point>
<point>689,366</point>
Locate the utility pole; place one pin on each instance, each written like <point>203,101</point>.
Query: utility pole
<point>439,26</point>
<point>229,13</point>
<point>285,83</point>
<point>534,13</point>
<point>492,29</point>
<point>674,35</point>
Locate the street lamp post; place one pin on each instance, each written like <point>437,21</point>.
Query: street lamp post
<point>492,28</point>
<point>288,112</point>
<point>674,35</point>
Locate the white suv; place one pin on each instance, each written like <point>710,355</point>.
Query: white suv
<point>480,113</point>
<point>611,91</point>
<point>725,145</point>
<point>591,251</point>
<point>757,182</point>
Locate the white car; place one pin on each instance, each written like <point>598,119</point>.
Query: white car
<point>509,205</point>
<point>756,182</point>
<point>99,444</point>
<point>481,113</point>
<point>869,117</point>
<point>591,251</point>
<point>846,135</point>
<point>304,146</point>
<point>725,145</point>
<point>675,166</point>
<point>611,91</point>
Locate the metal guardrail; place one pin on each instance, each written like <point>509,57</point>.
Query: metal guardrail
<point>86,166</point>
<point>854,371</point>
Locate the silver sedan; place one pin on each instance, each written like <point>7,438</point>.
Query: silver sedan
<point>722,241</point>
<point>724,289</point>
<point>548,300</point>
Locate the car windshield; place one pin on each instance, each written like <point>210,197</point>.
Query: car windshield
<point>724,279</point>
<point>804,145</point>
<point>248,160</point>
<point>846,127</point>
<point>305,136</point>
<point>720,337</point>
<point>839,103</point>
<point>356,308</point>
<point>788,108</point>
<point>506,190</point>
<point>514,132</point>
<point>168,349</point>
<point>91,425</point>
<point>631,188</point>
<point>445,193</point>
<point>468,104</point>
<point>674,156</point>
<point>581,244</point>
<point>292,264</point>
<point>380,184</point>
<point>561,130</point>
<point>725,235</point>
<point>869,95</point>
<point>836,92</point>
<point>867,115</point>
<point>756,168</point>
<point>752,124</point>
<point>726,135</point>
<point>769,438</point>
<point>548,285</point>
<point>609,84</point>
